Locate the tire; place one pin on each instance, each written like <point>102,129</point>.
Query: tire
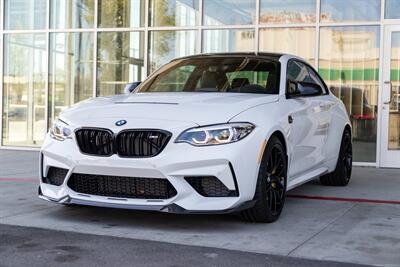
<point>270,191</point>
<point>342,173</point>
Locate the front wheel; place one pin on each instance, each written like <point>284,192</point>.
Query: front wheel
<point>271,185</point>
<point>342,173</point>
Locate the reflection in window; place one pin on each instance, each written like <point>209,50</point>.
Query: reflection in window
<point>24,14</point>
<point>24,89</point>
<point>72,14</point>
<point>70,70</point>
<point>287,11</point>
<point>349,63</point>
<point>394,109</point>
<point>392,9</point>
<point>228,40</point>
<point>173,12</point>
<point>354,10</point>
<point>229,12</point>
<point>296,41</point>
<point>119,61</point>
<point>121,13</point>
<point>167,45</point>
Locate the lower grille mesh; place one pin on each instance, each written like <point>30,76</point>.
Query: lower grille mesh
<point>55,176</point>
<point>123,187</point>
<point>210,186</point>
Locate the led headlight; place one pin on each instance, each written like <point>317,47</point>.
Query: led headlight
<point>60,130</point>
<point>216,134</point>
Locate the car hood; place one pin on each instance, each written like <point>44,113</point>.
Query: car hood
<point>198,108</point>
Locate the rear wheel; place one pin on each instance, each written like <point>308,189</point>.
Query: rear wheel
<point>342,173</point>
<point>271,185</point>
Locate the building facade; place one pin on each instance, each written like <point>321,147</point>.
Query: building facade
<point>56,53</point>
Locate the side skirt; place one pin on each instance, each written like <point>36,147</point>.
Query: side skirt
<point>304,178</point>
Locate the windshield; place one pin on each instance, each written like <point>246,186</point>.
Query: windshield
<point>216,74</point>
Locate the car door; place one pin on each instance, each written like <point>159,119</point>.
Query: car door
<point>306,135</point>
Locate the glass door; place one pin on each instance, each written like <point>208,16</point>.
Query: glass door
<point>390,99</point>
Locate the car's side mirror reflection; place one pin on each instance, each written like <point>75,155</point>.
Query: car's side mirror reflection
<point>130,87</point>
<point>299,89</point>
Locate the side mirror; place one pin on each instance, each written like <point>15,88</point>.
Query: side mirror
<point>292,89</point>
<point>130,87</point>
<point>298,89</point>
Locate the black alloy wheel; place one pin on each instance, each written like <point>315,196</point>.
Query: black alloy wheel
<point>271,184</point>
<point>342,173</point>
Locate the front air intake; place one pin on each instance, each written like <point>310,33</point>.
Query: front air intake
<point>55,176</point>
<point>121,187</point>
<point>210,186</point>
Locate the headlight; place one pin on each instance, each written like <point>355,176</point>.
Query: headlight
<point>216,134</point>
<point>60,130</point>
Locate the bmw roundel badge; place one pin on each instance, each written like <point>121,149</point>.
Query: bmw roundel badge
<point>121,122</point>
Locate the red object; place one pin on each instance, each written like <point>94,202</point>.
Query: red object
<point>359,200</point>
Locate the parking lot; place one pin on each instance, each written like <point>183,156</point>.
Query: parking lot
<point>356,224</point>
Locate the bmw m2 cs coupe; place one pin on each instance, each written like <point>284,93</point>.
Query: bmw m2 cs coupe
<point>215,133</point>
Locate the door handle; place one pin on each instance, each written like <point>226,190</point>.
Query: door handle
<point>391,93</point>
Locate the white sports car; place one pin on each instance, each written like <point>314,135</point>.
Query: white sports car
<point>215,133</point>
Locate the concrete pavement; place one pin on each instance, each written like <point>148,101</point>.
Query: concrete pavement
<point>54,248</point>
<point>344,231</point>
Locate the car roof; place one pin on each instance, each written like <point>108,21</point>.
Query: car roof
<point>274,56</point>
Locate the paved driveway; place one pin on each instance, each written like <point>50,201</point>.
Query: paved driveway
<point>350,228</point>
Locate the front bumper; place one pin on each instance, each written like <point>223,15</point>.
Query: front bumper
<point>235,165</point>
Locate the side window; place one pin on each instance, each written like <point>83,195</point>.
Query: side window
<point>297,71</point>
<point>300,72</point>
<point>316,79</point>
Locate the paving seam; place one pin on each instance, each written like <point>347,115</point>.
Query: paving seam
<point>323,228</point>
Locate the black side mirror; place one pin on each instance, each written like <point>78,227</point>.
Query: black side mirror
<point>292,89</point>
<point>298,89</point>
<point>130,87</point>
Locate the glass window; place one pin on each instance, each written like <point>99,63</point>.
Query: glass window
<point>119,61</point>
<point>354,10</point>
<point>297,71</point>
<point>70,70</point>
<point>349,64</point>
<point>392,9</point>
<point>173,12</point>
<point>296,41</point>
<point>287,11</point>
<point>216,74</point>
<point>24,14</point>
<point>167,45</point>
<point>24,96</point>
<point>121,13</point>
<point>229,12</point>
<point>394,108</point>
<point>236,40</point>
<point>72,14</point>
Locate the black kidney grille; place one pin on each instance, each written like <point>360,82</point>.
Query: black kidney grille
<point>95,141</point>
<point>123,187</point>
<point>141,143</point>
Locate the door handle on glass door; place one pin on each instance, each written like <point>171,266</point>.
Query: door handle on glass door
<point>391,93</point>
